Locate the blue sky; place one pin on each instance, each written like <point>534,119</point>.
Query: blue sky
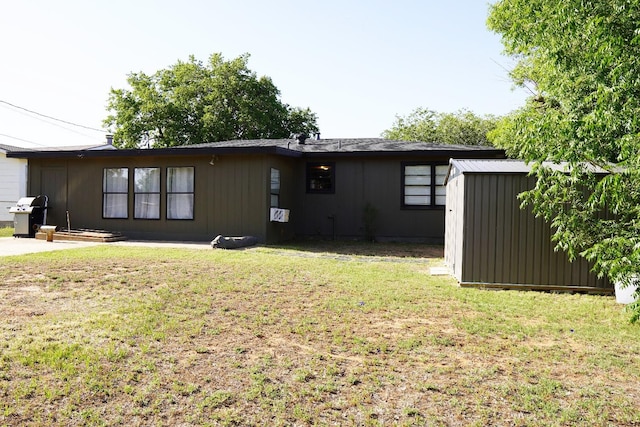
<point>356,64</point>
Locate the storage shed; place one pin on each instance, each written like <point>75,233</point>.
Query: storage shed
<point>490,242</point>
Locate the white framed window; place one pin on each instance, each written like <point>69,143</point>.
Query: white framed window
<point>180,192</point>
<point>146,193</point>
<point>115,193</point>
<point>423,185</point>
<point>275,188</point>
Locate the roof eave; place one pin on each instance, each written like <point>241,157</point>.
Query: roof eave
<point>151,152</point>
<point>404,153</point>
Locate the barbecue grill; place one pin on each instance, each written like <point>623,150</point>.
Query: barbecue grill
<point>29,214</point>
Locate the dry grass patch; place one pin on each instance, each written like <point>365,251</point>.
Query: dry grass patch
<point>294,336</point>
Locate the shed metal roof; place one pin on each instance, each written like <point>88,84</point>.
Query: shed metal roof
<point>509,166</point>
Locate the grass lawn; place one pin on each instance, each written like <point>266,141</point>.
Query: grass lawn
<point>6,231</point>
<point>113,335</point>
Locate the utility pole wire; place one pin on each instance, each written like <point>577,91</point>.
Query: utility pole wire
<point>20,139</point>
<point>524,84</point>
<point>52,118</point>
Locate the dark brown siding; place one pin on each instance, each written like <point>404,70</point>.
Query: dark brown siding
<point>231,196</point>
<point>358,182</point>
<point>279,231</point>
<point>504,244</point>
<point>53,184</point>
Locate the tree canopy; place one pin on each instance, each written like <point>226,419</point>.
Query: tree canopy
<point>194,102</point>
<point>582,60</point>
<point>460,128</point>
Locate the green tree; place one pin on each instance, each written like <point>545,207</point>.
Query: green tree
<point>193,102</point>
<point>460,128</point>
<point>581,58</point>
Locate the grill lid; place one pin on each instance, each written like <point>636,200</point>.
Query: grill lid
<point>25,201</point>
<point>26,204</point>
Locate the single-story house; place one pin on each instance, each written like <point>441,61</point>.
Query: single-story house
<point>330,188</point>
<point>13,182</point>
<point>491,242</point>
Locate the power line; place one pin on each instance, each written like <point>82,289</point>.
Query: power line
<point>51,118</point>
<point>49,122</point>
<point>21,139</point>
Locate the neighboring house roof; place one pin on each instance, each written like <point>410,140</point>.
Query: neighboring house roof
<point>78,148</point>
<point>286,147</point>
<point>71,148</point>
<point>4,148</point>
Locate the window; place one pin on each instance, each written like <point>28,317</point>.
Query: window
<point>180,193</point>
<point>275,188</point>
<point>320,178</point>
<point>146,193</point>
<point>423,185</point>
<point>115,192</point>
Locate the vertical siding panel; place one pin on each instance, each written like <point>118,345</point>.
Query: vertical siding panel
<point>515,233</point>
<point>568,270</point>
<point>492,212</point>
<point>205,196</point>
<point>475,204</point>
<point>484,227</point>
<point>501,249</point>
<point>243,174</point>
<point>461,214</point>
<point>481,227</point>
<point>478,226</point>
<point>550,256</point>
<point>461,232</point>
<point>536,241</point>
<point>523,247</point>
<point>226,180</point>
<point>505,202</point>
<point>560,261</point>
<point>469,262</point>
<point>530,243</point>
<point>577,277</point>
<point>533,246</point>
<point>515,239</point>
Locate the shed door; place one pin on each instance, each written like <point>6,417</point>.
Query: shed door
<point>53,184</point>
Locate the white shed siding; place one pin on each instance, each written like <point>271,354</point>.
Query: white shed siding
<point>13,184</point>
<point>454,222</point>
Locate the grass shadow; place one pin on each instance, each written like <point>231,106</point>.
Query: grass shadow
<point>362,248</point>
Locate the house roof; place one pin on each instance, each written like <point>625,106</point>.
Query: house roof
<point>345,145</point>
<point>285,147</point>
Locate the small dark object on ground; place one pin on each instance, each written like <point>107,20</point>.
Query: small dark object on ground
<point>223,242</point>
